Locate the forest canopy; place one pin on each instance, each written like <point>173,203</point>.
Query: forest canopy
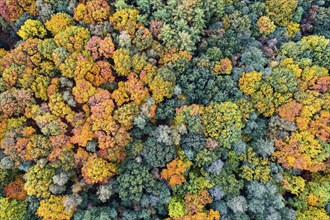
<point>174,109</point>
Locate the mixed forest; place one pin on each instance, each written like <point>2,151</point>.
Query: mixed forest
<point>164,109</point>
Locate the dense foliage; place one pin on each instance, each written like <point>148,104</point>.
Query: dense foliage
<point>178,109</point>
